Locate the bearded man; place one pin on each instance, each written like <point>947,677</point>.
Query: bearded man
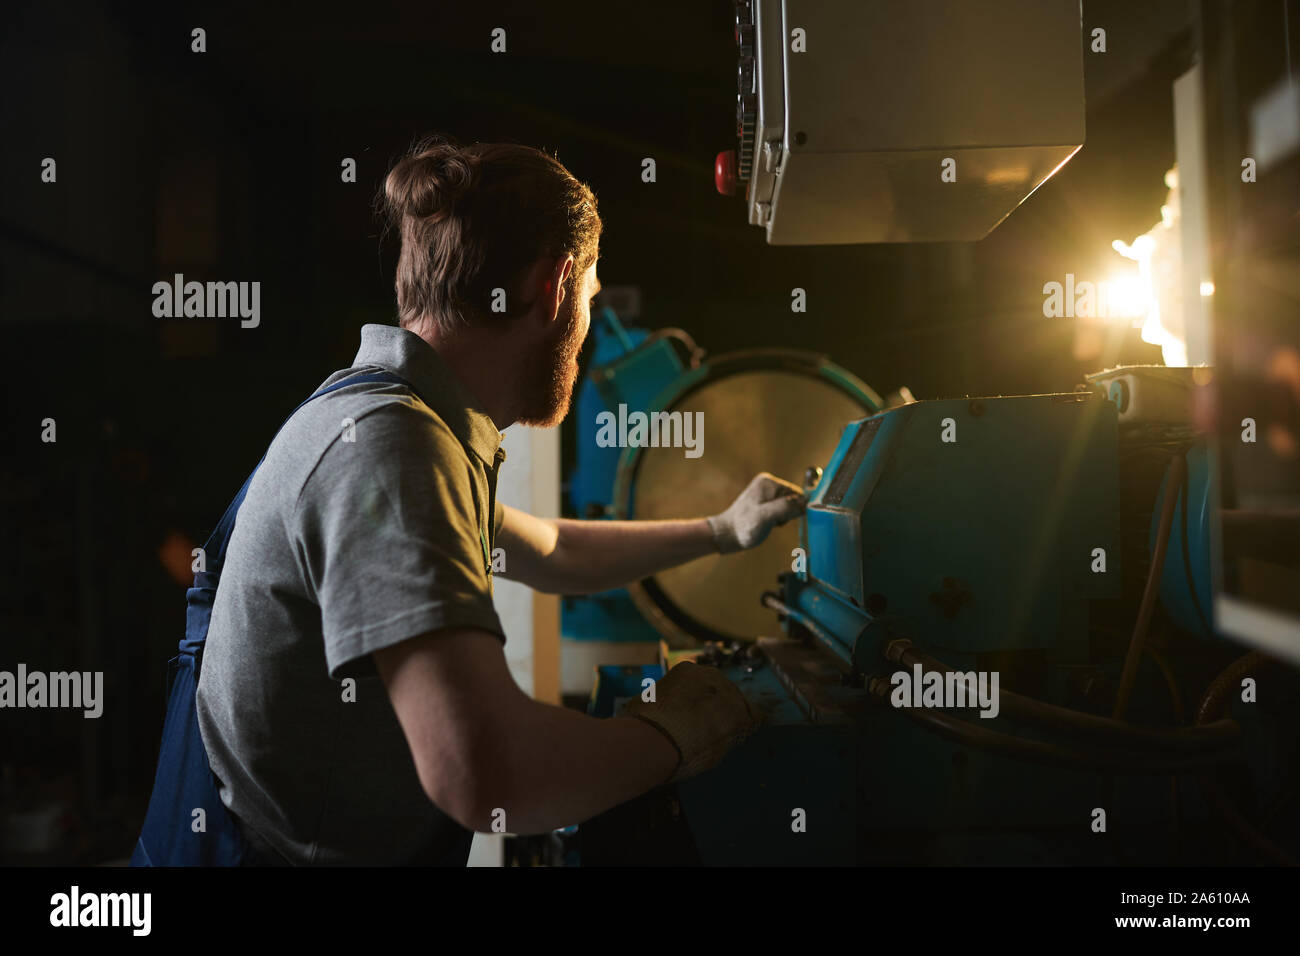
<point>363,551</point>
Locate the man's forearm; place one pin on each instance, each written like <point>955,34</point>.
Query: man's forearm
<point>483,747</point>
<point>593,556</point>
<point>564,767</point>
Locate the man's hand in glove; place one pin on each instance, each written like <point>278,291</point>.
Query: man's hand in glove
<point>765,503</point>
<point>701,712</point>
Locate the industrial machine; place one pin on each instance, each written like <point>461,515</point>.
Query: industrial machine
<point>801,401</point>
<point>991,638</point>
<point>1059,542</point>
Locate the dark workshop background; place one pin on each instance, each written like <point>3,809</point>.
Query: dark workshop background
<point>226,166</point>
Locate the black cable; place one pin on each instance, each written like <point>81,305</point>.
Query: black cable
<point>1212,703</point>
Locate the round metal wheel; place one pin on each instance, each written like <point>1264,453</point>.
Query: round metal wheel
<point>769,410</point>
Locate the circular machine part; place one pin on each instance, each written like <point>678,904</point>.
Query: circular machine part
<point>771,410</point>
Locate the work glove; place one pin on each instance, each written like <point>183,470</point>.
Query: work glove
<point>765,503</point>
<point>701,712</point>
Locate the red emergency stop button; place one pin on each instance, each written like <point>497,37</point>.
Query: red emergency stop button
<point>724,172</point>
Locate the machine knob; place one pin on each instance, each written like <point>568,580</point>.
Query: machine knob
<point>724,172</point>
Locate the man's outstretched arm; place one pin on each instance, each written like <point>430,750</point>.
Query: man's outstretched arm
<point>564,556</point>
<point>481,745</point>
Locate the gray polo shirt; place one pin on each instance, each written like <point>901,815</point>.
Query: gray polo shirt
<point>370,521</point>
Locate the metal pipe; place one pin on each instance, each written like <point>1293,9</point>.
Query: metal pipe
<point>833,643</point>
<point>1216,734</point>
<point>1038,751</point>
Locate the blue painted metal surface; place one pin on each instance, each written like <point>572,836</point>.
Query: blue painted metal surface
<point>607,616</point>
<point>616,683</point>
<point>592,481</point>
<point>984,543</point>
<point>624,368</point>
<point>877,788</point>
<point>1185,579</point>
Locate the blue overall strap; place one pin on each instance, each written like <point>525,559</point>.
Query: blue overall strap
<point>199,598</point>
<point>184,786</point>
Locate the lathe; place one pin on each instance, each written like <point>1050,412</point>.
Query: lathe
<point>1051,548</point>
<point>1056,552</point>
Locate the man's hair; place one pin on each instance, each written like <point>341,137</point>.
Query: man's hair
<point>473,218</point>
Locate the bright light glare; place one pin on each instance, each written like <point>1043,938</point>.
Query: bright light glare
<point>1127,297</point>
<point>1157,254</point>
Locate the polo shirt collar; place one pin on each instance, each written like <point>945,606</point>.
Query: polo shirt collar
<point>415,360</point>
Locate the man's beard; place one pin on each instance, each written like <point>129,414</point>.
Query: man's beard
<point>548,385</point>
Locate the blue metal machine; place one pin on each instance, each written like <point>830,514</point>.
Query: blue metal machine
<point>1009,534</point>
<point>976,522</point>
<point>773,391</point>
<point>629,367</point>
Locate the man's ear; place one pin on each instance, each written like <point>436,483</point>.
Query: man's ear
<point>555,290</point>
